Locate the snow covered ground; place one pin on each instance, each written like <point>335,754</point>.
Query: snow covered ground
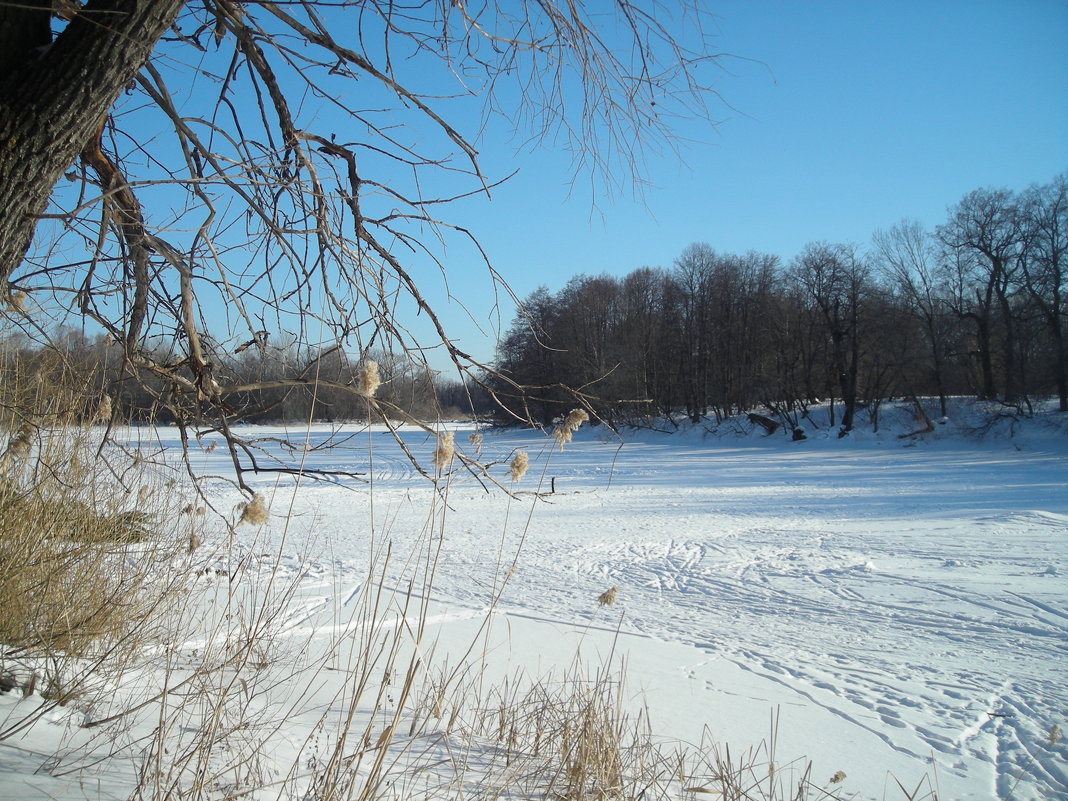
<point>898,606</point>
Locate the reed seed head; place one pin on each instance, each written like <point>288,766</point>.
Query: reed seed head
<point>19,446</point>
<point>566,429</point>
<point>370,380</point>
<point>608,597</point>
<point>255,511</point>
<point>445,450</point>
<point>518,466</point>
<point>103,410</point>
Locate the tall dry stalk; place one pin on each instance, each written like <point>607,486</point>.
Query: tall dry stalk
<point>83,578</point>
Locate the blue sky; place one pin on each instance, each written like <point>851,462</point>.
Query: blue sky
<point>839,118</point>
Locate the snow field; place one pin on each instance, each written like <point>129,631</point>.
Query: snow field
<point>899,607</point>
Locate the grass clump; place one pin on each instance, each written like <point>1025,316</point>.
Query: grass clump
<point>80,577</point>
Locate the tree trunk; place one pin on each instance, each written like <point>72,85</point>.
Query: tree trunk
<point>986,362</point>
<point>1010,356</point>
<point>53,99</point>
<point>1062,369</point>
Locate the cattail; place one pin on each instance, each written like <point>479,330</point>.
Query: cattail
<point>445,450</point>
<point>103,409</point>
<point>1054,734</point>
<point>475,438</point>
<point>370,380</point>
<point>570,424</point>
<point>255,512</point>
<point>518,466</point>
<point>608,597</point>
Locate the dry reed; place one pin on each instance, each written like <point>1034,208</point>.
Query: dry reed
<point>369,379</point>
<point>517,468</point>
<point>255,512</point>
<point>608,597</point>
<point>445,450</point>
<point>565,429</point>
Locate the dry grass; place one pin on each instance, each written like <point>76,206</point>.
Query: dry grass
<point>572,737</point>
<point>81,578</point>
<point>65,580</point>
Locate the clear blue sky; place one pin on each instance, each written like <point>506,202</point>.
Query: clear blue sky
<point>843,118</point>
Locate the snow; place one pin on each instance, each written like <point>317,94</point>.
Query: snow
<point>893,608</point>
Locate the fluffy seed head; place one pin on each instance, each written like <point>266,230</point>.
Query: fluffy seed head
<point>19,447</point>
<point>569,425</point>
<point>445,450</point>
<point>103,409</point>
<point>475,438</point>
<point>370,380</point>
<point>838,777</point>
<point>1055,734</point>
<point>518,466</point>
<point>575,418</point>
<point>255,511</point>
<point>608,597</point>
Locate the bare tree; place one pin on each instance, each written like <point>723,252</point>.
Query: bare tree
<point>981,241</point>
<point>194,177</point>
<point>692,279</point>
<point>834,279</point>
<point>1044,264</point>
<point>907,255</point>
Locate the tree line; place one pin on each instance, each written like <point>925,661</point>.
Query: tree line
<point>976,306</point>
<point>276,381</point>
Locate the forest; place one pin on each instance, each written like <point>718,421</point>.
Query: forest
<point>974,307</point>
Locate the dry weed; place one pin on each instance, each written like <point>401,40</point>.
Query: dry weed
<point>255,512</point>
<point>445,450</point>
<point>517,468</point>
<point>566,428</point>
<point>608,597</point>
<point>369,379</point>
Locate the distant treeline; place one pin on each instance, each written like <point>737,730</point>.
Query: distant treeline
<point>977,306</point>
<point>73,374</point>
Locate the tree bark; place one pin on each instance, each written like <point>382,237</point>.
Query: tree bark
<point>53,99</point>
